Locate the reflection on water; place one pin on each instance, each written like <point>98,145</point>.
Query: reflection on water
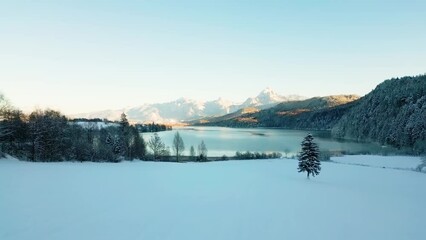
<point>226,141</point>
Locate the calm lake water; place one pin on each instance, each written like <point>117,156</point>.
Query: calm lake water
<point>227,141</point>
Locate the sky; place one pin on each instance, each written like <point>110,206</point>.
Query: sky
<point>85,55</point>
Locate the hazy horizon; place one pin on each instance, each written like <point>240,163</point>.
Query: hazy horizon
<point>82,56</point>
<point>137,104</point>
<point>28,109</point>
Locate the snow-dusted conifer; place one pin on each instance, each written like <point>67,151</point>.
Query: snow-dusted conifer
<point>309,157</point>
<point>122,146</point>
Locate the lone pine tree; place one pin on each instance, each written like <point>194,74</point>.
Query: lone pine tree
<point>309,157</point>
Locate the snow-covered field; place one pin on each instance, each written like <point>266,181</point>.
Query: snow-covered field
<point>265,199</point>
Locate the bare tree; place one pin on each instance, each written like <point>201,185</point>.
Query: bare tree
<point>4,104</point>
<point>202,151</point>
<point>4,108</point>
<point>178,146</point>
<point>192,152</point>
<point>157,147</point>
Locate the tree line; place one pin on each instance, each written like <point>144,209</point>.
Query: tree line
<point>161,152</point>
<point>153,127</point>
<point>47,135</point>
<point>150,127</point>
<point>256,155</point>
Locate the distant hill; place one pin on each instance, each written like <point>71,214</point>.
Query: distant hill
<point>184,109</point>
<point>226,117</point>
<point>393,113</point>
<point>313,113</point>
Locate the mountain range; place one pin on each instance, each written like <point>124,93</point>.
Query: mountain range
<point>184,109</point>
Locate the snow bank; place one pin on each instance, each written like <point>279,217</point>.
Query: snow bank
<point>395,162</point>
<point>247,200</point>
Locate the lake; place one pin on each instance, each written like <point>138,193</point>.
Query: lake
<point>227,141</point>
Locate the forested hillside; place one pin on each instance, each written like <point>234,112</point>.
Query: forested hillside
<point>394,113</point>
<point>230,116</point>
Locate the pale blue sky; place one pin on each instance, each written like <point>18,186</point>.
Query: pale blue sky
<point>79,56</point>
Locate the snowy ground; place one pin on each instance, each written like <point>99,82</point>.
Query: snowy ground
<point>265,199</point>
<point>394,162</point>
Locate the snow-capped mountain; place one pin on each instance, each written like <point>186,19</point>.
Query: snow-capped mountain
<point>184,109</point>
<point>268,98</point>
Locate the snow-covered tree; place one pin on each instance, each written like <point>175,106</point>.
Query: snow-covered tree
<point>105,148</point>
<point>124,136</point>
<point>309,157</point>
<point>178,146</point>
<point>47,135</point>
<point>115,143</point>
<point>14,133</point>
